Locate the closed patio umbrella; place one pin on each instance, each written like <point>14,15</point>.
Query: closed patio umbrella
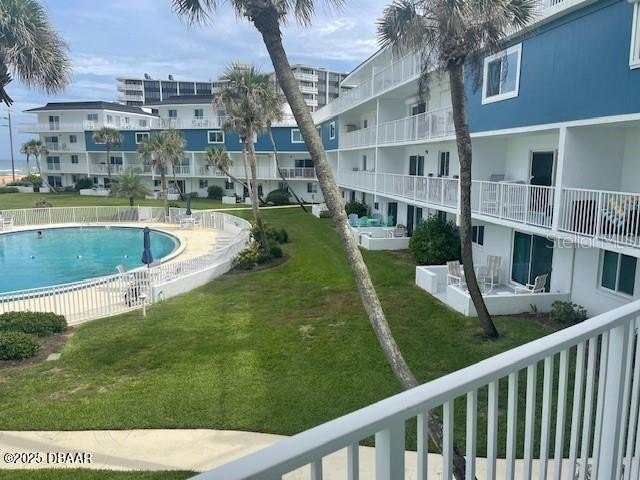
<point>188,212</point>
<point>147,257</point>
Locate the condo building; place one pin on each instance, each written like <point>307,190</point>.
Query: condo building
<point>319,86</point>
<point>67,130</point>
<point>555,127</point>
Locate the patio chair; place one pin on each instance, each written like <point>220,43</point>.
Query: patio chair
<point>455,275</point>
<point>490,273</point>
<point>5,222</point>
<point>538,285</point>
<point>363,222</point>
<point>353,219</point>
<point>400,231</point>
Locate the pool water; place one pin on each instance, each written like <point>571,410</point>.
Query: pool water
<point>64,255</point>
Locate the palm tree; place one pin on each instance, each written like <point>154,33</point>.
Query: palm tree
<point>30,49</point>
<point>450,34</point>
<point>27,149</point>
<point>39,149</point>
<point>251,102</point>
<point>161,150</point>
<point>218,157</point>
<point>110,138</point>
<point>129,184</point>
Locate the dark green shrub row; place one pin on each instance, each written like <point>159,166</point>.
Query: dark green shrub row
<point>215,192</point>
<point>435,242</point>
<point>274,235</point>
<point>41,324</point>
<point>83,183</point>
<point>567,313</point>
<point>31,180</point>
<point>8,190</point>
<point>278,197</point>
<point>17,345</point>
<point>359,208</point>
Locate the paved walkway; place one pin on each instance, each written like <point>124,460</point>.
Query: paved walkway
<point>195,450</point>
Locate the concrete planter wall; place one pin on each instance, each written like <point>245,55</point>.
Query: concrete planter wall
<point>25,189</point>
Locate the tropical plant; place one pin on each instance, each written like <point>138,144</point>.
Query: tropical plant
<point>278,197</point>
<point>355,207</point>
<point>39,149</point>
<point>218,157</point>
<point>110,138</point>
<point>130,185</point>
<point>268,17</point>
<point>30,49</point>
<point>435,242</point>
<point>27,150</point>
<point>83,183</point>
<point>161,150</point>
<point>451,36</point>
<point>251,101</point>
<point>215,192</point>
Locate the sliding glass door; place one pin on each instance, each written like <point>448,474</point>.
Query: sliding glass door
<point>532,256</point>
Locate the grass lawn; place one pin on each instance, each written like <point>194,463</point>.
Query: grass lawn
<point>276,351</point>
<point>26,200</point>
<point>63,474</point>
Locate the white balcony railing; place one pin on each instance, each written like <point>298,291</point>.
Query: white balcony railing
<point>581,385</point>
<point>262,172</point>
<point>522,203</point>
<point>608,216</point>
<point>298,172</point>
<point>424,126</point>
<point>358,138</point>
<point>57,147</point>
<point>406,68</point>
<point>50,166</point>
<point>104,169</point>
<point>194,122</point>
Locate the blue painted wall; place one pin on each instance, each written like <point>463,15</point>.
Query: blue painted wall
<point>328,143</point>
<point>196,140</point>
<point>574,68</point>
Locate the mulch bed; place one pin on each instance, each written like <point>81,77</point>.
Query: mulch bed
<point>48,345</point>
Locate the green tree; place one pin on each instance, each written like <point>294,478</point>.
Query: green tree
<point>161,150</point>
<point>27,149</point>
<point>449,34</point>
<point>130,185</point>
<point>30,49</point>
<point>110,138</point>
<point>39,149</point>
<point>435,242</point>
<point>251,103</point>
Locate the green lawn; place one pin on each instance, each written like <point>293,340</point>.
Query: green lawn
<point>64,474</point>
<point>26,200</point>
<point>275,351</point>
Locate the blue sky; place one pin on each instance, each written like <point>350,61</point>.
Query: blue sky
<point>132,37</point>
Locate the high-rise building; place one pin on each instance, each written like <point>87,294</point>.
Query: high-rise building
<point>319,86</point>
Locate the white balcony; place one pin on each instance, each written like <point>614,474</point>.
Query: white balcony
<point>363,137</point>
<point>192,122</point>
<point>102,168</point>
<point>298,172</point>
<point>306,77</point>
<point>422,127</point>
<point>57,147</point>
<point>401,71</point>
<point>581,385</point>
<point>308,89</point>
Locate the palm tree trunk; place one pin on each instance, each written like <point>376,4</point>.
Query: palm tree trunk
<point>163,185</point>
<point>284,180</point>
<point>44,180</point>
<point>5,79</point>
<point>255,206</point>
<point>109,165</point>
<point>463,140</point>
<point>131,201</point>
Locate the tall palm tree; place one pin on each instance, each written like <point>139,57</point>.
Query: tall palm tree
<point>130,185</point>
<point>450,34</point>
<point>251,102</point>
<point>30,49</point>
<point>161,150</point>
<point>218,157</point>
<point>27,149</point>
<point>110,138</point>
<point>39,149</point>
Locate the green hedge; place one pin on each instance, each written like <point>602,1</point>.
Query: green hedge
<point>8,190</point>
<point>41,324</point>
<point>278,197</point>
<point>17,345</point>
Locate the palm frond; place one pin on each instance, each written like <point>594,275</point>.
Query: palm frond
<point>195,11</point>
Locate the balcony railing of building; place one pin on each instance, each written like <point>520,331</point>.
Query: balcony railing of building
<point>262,172</point>
<point>102,168</point>
<point>581,385</point>
<point>193,122</point>
<point>363,137</point>
<point>424,126</point>
<point>57,147</point>
<point>306,77</point>
<point>298,172</point>
<point>406,68</point>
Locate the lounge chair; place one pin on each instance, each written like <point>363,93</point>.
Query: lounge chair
<point>490,273</point>
<point>363,222</point>
<point>5,222</point>
<point>353,220</point>
<point>538,285</point>
<point>455,275</point>
<point>121,268</point>
<point>400,231</point>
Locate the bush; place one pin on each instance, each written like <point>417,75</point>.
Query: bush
<point>8,190</point>
<point>247,259</point>
<point>17,345</point>
<point>276,251</point>
<point>358,208</point>
<point>83,183</point>
<point>42,203</point>
<point>567,313</point>
<point>273,234</point>
<point>435,242</point>
<point>325,214</point>
<point>278,197</point>
<point>31,180</point>
<point>41,324</point>
<point>215,192</point>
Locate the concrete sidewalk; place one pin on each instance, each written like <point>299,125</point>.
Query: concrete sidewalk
<point>196,450</point>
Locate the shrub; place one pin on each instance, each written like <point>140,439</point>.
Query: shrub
<point>276,251</point>
<point>8,190</point>
<point>83,183</point>
<point>278,197</point>
<point>247,259</point>
<point>283,235</point>
<point>435,242</point>
<point>358,208</point>
<point>37,323</point>
<point>567,312</point>
<point>42,203</point>
<point>273,234</point>
<point>215,192</point>
<point>17,345</point>
<point>325,214</point>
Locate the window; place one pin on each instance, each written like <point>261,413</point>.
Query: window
<point>55,181</point>
<point>140,136</point>
<point>228,185</point>
<point>443,164</point>
<point>157,183</point>
<point>204,183</point>
<point>296,136</point>
<point>365,123</point>
<point>376,206</point>
<point>109,118</point>
<point>303,163</point>
<point>142,122</point>
<point>418,108</point>
<point>332,130</point>
<point>442,216</point>
<point>75,159</point>
<point>215,136</point>
<point>501,78</point>
<point>173,113</point>
<point>54,122</point>
<point>73,139</point>
<point>115,160</point>
<point>198,113</point>
<point>618,272</point>
<point>634,58</point>
<point>532,256</point>
<point>364,163</point>
<point>260,191</point>
<point>53,163</point>
<point>126,120</point>
<point>92,117</point>
<point>51,142</point>
<point>312,187</point>
<point>477,235</point>
<point>352,196</point>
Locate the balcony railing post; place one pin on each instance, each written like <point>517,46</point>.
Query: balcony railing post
<point>599,213</point>
<point>390,453</point>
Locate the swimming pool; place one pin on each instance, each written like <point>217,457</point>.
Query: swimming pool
<point>64,255</point>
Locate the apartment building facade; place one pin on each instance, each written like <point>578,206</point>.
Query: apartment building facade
<point>319,86</point>
<point>67,130</point>
<point>555,129</point>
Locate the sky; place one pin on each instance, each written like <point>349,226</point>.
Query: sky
<point>113,38</point>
